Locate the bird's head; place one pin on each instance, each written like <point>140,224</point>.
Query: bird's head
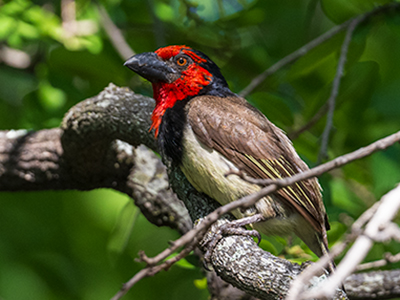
<point>177,73</point>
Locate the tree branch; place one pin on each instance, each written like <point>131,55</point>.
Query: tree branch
<point>335,88</point>
<point>85,155</point>
<point>114,34</point>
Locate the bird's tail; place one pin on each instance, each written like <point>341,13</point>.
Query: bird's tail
<point>325,251</point>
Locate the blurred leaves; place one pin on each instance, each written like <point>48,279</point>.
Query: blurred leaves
<point>122,230</point>
<point>59,245</point>
<point>341,10</point>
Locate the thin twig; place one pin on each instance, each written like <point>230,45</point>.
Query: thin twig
<point>311,45</point>
<point>151,271</point>
<point>335,88</point>
<point>389,259</point>
<point>68,15</point>
<point>390,205</point>
<point>320,113</point>
<point>115,35</point>
<point>301,281</point>
<point>310,13</point>
<point>364,218</point>
<point>333,164</point>
<point>191,238</point>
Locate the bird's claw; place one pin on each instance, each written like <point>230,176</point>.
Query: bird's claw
<point>230,228</point>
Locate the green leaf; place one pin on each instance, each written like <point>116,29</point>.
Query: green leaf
<point>164,12</point>
<point>344,199</point>
<point>51,98</point>
<point>27,30</point>
<point>122,230</point>
<point>341,10</point>
<point>268,246</point>
<point>201,284</point>
<point>385,169</point>
<point>321,59</point>
<point>7,25</point>
<point>182,263</point>
<point>274,107</point>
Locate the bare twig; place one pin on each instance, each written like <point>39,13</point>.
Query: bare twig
<point>389,259</point>
<point>333,164</point>
<point>320,113</point>
<point>151,271</point>
<point>364,218</point>
<point>68,14</point>
<point>390,205</point>
<point>311,45</point>
<point>335,88</point>
<point>115,35</point>
<point>301,281</point>
<point>193,236</point>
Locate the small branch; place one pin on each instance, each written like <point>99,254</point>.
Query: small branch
<point>68,14</point>
<point>335,88</point>
<point>311,45</point>
<point>320,113</point>
<point>150,271</point>
<point>326,167</point>
<point>298,285</point>
<point>389,259</point>
<point>390,205</point>
<point>115,35</point>
<point>146,272</point>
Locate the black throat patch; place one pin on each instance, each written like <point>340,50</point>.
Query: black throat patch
<point>171,132</point>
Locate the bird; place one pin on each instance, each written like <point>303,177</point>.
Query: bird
<point>208,131</point>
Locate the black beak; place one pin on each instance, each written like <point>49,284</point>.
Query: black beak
<point>149,66</point>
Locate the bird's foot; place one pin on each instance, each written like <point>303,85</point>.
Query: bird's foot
<point>235,227</point>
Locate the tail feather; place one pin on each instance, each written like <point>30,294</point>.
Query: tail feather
<point>325,251</point>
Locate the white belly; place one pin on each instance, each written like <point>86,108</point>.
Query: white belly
<point>205,169</point>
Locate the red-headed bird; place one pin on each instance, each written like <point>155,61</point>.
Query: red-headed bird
<point>207,130</point>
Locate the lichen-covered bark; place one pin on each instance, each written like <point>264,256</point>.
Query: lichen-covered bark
<point>374,285</point>
<point>85,154</point>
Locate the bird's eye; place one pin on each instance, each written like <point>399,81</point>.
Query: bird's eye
<point>181,61</point>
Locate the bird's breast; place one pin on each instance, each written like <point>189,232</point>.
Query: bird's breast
<point>206,170</point>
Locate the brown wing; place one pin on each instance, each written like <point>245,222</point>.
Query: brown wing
<point>245,136</point>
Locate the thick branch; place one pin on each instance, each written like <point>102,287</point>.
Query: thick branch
<point>374,285</point>
<point>86,155</point>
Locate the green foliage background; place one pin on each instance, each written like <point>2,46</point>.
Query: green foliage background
<point>75,245</point>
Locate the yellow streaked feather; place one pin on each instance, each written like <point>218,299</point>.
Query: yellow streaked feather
<point>259,165</point>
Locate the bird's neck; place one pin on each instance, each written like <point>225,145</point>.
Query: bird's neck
<point>169,116</point>
<point>171,130</point>
<point>168,94</point>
